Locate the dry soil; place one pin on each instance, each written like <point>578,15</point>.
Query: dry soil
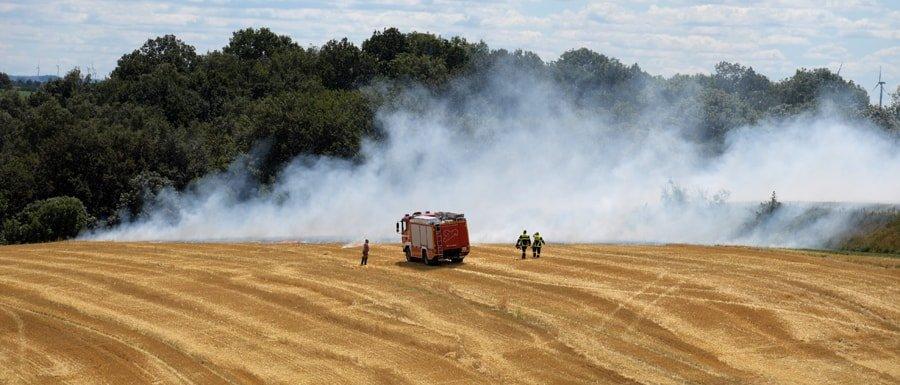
<point>154,313</point>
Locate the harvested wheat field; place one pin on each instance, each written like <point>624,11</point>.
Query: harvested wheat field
<point>134,313</point>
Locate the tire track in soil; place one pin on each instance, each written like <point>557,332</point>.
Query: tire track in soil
<point>306,313</point>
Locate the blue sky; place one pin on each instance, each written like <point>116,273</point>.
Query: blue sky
<point>666,37</point>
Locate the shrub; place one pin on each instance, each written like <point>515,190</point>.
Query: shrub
<point>766,209</point>
<point>46,220</point>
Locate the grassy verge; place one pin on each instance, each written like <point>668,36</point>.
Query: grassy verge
<point>876,232</point>
<point>849,253</point>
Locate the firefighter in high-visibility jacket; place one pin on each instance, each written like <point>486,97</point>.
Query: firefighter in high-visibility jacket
<point>523,242</point>
<point>536,245</point>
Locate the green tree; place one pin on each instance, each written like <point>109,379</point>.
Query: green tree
<point>721,112</point>
<point>20,185</point>
<point>294,69</point>
<point>709,115</point>
<point>142,188</point>
<point>68,86</point>
<point>894,108</point>
<point>344,66</point>
<point>456,56</point>
<point>426,44</point>
<point>255,44</point>
<point>592,76</point>
<point>162,50</point>
<point>167,89</point>
<point>220,81</point>
<point>4,208</point>
<point>883,117</point>
<point>93,162</point>
<point>755,89</point>
<point>808,88</point>
<point>331,123</point>
<point>386,45</point>
<point>5,83</point>
<point>423,69</point>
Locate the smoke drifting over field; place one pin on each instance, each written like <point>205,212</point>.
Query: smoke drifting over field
<point>516,154</point>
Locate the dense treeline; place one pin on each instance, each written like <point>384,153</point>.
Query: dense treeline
<point>80,152</point>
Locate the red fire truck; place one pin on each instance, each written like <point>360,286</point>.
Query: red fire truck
<point>434,236</point>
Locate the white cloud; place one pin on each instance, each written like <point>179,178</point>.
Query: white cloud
<point>828,51</point>
<point>783,40</point>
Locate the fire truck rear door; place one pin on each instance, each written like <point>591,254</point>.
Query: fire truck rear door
<point>429,236</point>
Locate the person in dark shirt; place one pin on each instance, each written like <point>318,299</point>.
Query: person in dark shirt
<point>365,256</point>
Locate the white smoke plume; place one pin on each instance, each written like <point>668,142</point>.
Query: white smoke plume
<point>517,155</point>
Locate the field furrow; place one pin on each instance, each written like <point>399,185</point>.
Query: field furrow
<point>157,313</point>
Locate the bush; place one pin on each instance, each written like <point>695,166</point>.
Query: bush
<point>768,208</point>
<point>47,220</point>
<point>761,217</point>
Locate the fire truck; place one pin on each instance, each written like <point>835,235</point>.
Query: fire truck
<point>434,236</point>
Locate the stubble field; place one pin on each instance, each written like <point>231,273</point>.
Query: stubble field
<point>155,313</point>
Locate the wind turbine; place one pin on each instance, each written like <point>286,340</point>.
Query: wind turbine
<point>881,85</point>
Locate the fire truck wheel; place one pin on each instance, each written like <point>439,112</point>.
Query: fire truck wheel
<point>425,258</point>
<point>456,260</point>
<point>408,253</point>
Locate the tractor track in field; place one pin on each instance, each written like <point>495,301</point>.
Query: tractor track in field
<point>286,313</point>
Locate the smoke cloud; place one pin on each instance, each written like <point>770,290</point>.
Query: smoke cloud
<point>516,153</point>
